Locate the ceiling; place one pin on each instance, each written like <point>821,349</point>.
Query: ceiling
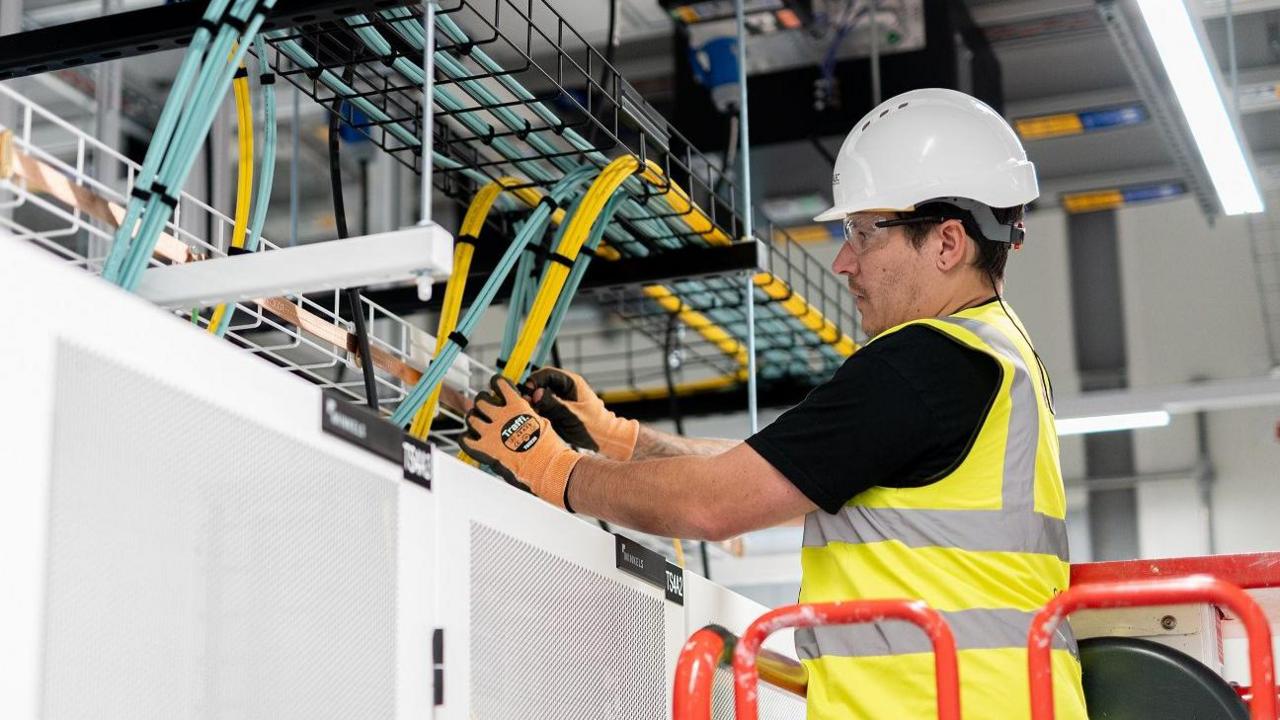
<point>1055,56</point>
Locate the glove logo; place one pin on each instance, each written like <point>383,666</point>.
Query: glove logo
<point>521,433</point>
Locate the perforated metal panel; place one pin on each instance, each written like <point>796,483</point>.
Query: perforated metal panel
<point>774,703</point>
<point>202,566</point>
<point>550,639</point>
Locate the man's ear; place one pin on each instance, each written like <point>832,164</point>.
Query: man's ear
<point>953,247</point>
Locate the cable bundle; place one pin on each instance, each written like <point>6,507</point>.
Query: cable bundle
<point>248,229</point>
<point>202,81</point>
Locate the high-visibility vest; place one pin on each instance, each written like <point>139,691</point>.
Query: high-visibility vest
<point>986,545</point>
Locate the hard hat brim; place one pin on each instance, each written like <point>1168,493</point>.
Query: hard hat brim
<point>1011,186</point>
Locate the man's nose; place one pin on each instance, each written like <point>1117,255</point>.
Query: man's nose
<point>846,261</point>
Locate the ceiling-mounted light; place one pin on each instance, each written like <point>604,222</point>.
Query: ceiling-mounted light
<point>1195,84</point>
<point>1110,423</point>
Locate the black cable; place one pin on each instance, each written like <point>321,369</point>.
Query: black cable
<point>610,50</point>
<point>340,218</point>
<point>555,354</point>
<point>364,195</point>
<point>1044,373</point>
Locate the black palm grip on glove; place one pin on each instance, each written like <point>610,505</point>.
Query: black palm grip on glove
<point>556,386</point>
<point>508,435</point>
<point>493,398</point>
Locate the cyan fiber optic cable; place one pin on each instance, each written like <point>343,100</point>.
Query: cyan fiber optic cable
<point>534,226</point>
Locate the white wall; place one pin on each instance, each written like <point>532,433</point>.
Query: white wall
<point>1192,310</point>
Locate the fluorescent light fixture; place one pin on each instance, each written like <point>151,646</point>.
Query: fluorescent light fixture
<point>1110,423</point>
<point>1196,86</point>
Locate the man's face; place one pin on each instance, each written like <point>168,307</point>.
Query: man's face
<point>884,272</point>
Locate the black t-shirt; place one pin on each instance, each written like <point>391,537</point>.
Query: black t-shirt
<point>901,412</point>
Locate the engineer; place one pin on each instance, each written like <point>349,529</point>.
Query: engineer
<point>926,467</point>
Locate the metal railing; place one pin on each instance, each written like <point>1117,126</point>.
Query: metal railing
<point>1196,588</point>
<point>698,659</point>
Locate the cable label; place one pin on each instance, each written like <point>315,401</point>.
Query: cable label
<point>364,428</point>
<point>639,561</point>
<point>417,461</point>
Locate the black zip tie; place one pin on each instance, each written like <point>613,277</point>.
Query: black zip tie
<point>522,134</point>
<point>488,139</point>
<point>206,24</point>
<point>139,193</point>
<point>169,200</point>
<point>242,72</point>
<point>500,363</point>
<point>548,200</point>
<point>233,251</point>
<point>389,60</point>
<point>559,128</point>
<point>459,339</point>
<point>556,257</point>
<point>465,240</point>
<point>465,48</point>
<point>234,23</point>
<point>267,79</point>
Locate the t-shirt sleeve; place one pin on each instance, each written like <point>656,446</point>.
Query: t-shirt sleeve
<point>856,431</point>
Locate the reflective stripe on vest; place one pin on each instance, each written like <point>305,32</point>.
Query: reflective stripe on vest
<point>973,630</point>
<point>972,544</point>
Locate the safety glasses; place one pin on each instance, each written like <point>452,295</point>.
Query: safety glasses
<point>863,234</point>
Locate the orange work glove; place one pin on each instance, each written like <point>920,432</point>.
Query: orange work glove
<point>579,415</point>
<point>505,433</point>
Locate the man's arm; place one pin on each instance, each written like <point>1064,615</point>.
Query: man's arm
<point>702,497</point>
<point>652,444</point>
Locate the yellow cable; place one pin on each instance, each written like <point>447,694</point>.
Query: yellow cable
<point>679,547</point>
<point>575,235</point>
<point>612,177</point>
<point>704,326</point>
<point>808,315</point>
<point>244,188</point>
<point>793,302</point>
<point>244,185</point>
<point>472,223</point>
<point>609,180</point>
<point>693,387</point>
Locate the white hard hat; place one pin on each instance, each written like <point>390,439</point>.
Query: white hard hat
<point>928,144</point>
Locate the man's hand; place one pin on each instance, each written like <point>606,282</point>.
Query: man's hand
<point>505,433</point>
<point>580,416</point>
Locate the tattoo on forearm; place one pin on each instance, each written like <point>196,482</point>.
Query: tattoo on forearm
<point>654,444</point>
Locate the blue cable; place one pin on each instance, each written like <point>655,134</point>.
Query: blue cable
<point>169,116</point>
<point>580,265</point>
<point>534,226</point>
<point>215,80</point>
<point>266,168</point>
